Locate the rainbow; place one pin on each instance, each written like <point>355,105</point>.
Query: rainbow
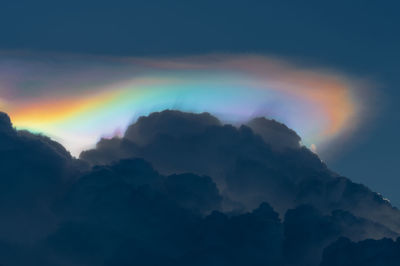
<point>78,100</point>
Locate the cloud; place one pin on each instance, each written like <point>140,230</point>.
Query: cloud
<point>196,193</point>
<point>112,216</point>
<point>34,170</point>
<point>369,252</point>
<point>315,231</point>
<point>171,123</point>
<point>179,189</point>
<point>246,166</point>
<point>5,124</point>
<point>274,133</point>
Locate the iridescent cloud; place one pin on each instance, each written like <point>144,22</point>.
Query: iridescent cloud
<point>78,99</point>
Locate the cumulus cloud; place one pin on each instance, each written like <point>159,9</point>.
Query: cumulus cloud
<point>249,165</point>
<point>181,189</point>
<point>34,169</point>
<point>369,252</point>
<point>171,123</point>
<point>315,231</point>
<point>278,135</point>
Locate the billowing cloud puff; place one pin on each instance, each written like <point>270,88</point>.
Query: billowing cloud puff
<point>274,133</point>
<point>364,253</point>
<point>172,123</point>
<point>34,169</point>
<point>315,231</point>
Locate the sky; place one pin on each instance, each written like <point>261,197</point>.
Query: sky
<point>356,39</point>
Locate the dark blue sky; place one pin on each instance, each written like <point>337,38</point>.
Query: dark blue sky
<point>360,38</point>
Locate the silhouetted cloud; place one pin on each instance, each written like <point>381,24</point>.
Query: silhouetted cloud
<point>247,167</point>
<point>33,171</point>
<point>369,252</point>
<point>274,133</point>
<point>169,122</point>
<point>314,230</point>
<point>182,189</point>
<point>196,193</point>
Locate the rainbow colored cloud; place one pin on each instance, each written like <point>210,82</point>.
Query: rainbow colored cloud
<point>76,99</point>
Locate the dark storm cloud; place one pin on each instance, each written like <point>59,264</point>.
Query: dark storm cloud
<point>314,230</point>
<point>199,197</point>
<point>34,169</point>
<point>276,134</point>
<point>369,252</point>
<point>247,167</point>
<point>5,124</point>
<point>171,123</point>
